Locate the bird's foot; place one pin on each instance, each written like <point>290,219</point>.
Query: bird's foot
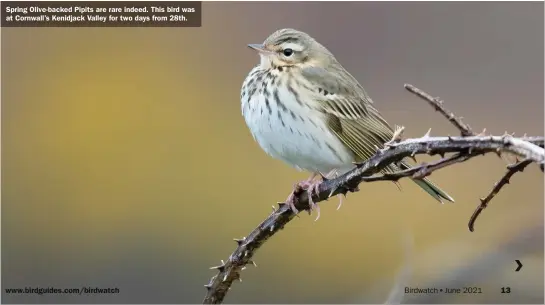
<point>311,186</point>
<point>313,189</point>
<point>292,198</point>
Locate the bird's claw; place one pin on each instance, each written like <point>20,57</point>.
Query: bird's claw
<point>291,202</point>
<point>312,188</point>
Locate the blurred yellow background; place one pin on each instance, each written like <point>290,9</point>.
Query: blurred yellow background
<point>126,161</point>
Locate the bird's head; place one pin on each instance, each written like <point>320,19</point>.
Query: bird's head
<point>289,47</point>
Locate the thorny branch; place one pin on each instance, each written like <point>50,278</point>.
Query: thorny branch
<point>464,147</point>
<point>511,170</point>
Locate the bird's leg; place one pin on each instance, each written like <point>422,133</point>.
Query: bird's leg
<point>303,185</point>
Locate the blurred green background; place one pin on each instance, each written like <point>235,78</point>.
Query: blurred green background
<point>126,161</point>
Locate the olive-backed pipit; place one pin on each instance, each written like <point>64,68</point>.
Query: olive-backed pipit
<point>304,108</point>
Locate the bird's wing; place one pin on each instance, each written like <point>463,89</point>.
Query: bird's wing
<point>342,94</point>
<point>349,113</point>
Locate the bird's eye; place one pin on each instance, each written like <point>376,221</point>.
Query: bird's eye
<point>287,52</point>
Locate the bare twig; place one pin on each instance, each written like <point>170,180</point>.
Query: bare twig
<point>511,170</point>
<point>464,148</point>
<point>437,104</point>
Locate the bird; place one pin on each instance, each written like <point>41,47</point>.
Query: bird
<point>302,107</point>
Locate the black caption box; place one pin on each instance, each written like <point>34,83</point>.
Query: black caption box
<point>101,14</point>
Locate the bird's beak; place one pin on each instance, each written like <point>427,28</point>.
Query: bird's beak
<point>259,48</point>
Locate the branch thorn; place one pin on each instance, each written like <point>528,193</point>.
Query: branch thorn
<point>239,241</point>
<point>220,267</point>
<point>396,137</point>
<point>427,135</point>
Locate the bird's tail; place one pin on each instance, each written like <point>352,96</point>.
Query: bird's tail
<point>429,187</point>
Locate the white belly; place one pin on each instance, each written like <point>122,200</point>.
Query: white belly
<point>292,132</point>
